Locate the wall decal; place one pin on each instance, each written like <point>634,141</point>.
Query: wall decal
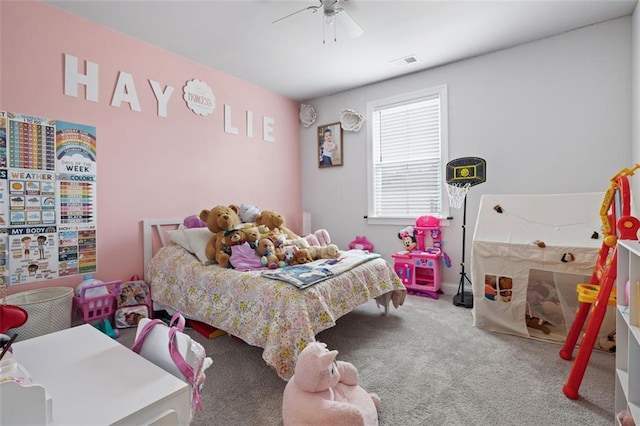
<point>351,120</point>
<point>307,115</point>
<point>199,97</point>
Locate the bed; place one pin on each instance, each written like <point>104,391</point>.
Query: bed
<point>274,315</point>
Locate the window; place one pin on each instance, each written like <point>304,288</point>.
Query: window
<point>407,151</point>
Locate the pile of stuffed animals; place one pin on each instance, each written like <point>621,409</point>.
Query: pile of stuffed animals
<point>246,238</point>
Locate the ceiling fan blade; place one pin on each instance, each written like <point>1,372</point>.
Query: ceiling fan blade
<point>314,8</point>
<point>347,24</point>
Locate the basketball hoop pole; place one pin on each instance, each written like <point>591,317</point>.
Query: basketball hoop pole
<point>462,299</point>
<point>463,173</point>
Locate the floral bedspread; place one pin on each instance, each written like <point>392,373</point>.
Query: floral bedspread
<point>273,315</point>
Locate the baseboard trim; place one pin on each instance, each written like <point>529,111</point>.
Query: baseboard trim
<point>450,289</point>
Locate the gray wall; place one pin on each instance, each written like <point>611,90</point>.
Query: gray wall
<point>635,111</point>
<point>552,116</point>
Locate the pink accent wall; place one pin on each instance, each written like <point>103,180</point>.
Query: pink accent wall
<point>149,167</point>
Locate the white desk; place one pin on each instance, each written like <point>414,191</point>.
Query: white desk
<point>94,380</point>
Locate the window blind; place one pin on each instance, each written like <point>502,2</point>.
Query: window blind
<point>407,158</point>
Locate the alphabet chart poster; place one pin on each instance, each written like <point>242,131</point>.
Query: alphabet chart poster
<point>47,198</point>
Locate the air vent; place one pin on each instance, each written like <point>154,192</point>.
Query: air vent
<point>407,60</point>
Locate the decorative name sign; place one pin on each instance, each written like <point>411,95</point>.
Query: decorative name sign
<point>197,95</point>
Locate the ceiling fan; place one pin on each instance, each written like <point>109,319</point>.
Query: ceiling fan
<point>332,15</point>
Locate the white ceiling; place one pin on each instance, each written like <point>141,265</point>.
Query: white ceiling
<point>289,57</point>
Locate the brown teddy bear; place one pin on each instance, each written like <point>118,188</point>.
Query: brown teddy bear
<point>301,256</point>
<point>273,220</point>
<point>267,252</point>
<point>219,219</point>
<point>233,237</point>
<point>252,235</point>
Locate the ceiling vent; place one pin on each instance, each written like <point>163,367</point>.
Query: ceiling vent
<point>407,60</point>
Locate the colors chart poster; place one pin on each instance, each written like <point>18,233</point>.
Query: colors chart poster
<point>47,198</point>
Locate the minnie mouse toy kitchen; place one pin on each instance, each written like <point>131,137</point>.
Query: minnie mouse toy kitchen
<point>418,266</point>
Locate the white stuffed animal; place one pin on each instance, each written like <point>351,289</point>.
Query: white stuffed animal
<point>325,391</point>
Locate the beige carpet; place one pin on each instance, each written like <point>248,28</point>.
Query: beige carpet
<point>428,365</point>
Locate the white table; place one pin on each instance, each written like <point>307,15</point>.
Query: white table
<point>94,380</point>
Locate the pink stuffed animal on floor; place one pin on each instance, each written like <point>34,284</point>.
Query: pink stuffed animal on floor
<point>324,391</point>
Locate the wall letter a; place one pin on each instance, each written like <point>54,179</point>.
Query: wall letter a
<point>125,91</point>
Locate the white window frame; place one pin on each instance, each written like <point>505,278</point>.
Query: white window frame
<point>441,92</point>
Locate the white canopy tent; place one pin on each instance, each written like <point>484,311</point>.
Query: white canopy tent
<point>539,247</point>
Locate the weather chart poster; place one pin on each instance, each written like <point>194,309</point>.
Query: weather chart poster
<point>47,198</point>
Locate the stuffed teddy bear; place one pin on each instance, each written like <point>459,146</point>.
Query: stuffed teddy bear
<point>274,220</point>
<point>219,219</point>
<point>251,235</point>
<point>301,256</point>
<point>329,252</point>
<point>267,252</point>
<point>233,237</point>
<point>324,391</point>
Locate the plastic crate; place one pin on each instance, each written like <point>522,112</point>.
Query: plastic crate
<point>95,309</point>
<point>49,310</point>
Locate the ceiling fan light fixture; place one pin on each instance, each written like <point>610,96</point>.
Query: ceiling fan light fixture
<point>333,16</point>
<point>330,19</point>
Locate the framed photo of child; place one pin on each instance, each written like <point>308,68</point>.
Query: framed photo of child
<point>330,152</point>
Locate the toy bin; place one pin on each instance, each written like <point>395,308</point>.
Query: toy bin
<point>49,310</point>
<point>100,307</point>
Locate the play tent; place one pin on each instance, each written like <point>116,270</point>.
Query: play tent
<point>528,254</point>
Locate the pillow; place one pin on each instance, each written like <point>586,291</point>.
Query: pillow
<point>178,237</point>
<point>197,238</point>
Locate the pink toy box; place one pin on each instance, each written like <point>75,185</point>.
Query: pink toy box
<point>419,268</point>
<point>361,243</point>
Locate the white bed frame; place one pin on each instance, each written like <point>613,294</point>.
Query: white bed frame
<point>153,231</point>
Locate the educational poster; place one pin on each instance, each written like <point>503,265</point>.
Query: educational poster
<point>47,192</point>
<point>33,254</point>
<point>76,165</point>
<point>3,139</point>
<point>77,250</point>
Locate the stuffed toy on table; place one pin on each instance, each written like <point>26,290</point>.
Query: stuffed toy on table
<point>324,391</point>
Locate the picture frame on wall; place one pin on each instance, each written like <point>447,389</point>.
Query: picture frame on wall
<point>330,153</point>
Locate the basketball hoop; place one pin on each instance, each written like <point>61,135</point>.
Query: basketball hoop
<point>456,193</point>
<point>462,174</point>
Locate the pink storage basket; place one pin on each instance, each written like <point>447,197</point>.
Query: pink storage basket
<point>98,308</point>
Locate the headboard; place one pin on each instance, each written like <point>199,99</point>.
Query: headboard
<point>154,236</point>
